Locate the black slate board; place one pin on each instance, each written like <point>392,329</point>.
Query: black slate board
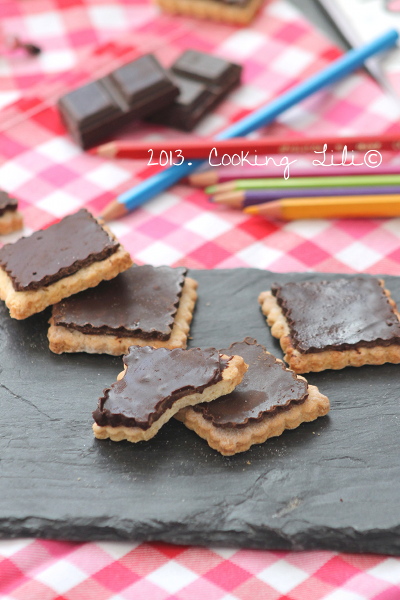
<point>332,484</point>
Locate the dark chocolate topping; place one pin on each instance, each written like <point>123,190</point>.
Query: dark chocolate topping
<point>266,389</point>
<point>7,203</point>
<point>338,315</point>
<point>142,301</point>
<point>156,378</point>
<point>50,254</point>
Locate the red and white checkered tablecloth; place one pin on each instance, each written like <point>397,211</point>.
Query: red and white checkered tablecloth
<point>52,177</point>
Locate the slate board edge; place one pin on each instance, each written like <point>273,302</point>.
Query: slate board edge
<point>307,537</point>
<point>374,541</point>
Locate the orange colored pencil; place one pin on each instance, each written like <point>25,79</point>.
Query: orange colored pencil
<point>329,207</point>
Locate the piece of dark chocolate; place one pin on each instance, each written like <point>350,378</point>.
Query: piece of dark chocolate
<point>155,378</point>
<point>266,389</point>
<point>96,110</point>
<point>338,315</point>
<point>7,203</point>
<point>204,80</point>
<point>50,254</point>
<point>141,302</point>
<point>207,68</point>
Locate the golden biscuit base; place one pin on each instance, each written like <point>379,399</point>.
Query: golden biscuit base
<point>11,220</point>
<point>329,359</point>
<point>232,440</point>
<point>62,339</point>
<point>212,9</point>
<point>232,375</point>
<point>26,303</point>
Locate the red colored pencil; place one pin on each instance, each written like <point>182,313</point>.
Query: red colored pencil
<point>201,148</point>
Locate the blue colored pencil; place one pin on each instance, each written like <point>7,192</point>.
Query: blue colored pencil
<point>341,67</point>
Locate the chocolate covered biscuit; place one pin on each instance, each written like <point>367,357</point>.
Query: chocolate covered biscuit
<point>144,306</point>
<point>156,384</point>
<point>334,324</point>
<point>51,264</point>
<point>270,399</point>
<point>10,219</point>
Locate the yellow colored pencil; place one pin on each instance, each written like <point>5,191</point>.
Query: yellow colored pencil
<point>329,207</point>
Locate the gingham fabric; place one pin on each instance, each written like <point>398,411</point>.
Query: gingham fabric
<point>52,177</point>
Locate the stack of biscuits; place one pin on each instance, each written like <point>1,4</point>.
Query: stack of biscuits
<point>232,397</point>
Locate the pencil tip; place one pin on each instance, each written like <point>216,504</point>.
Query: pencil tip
<point>251,210</point>
<point>211,189</point>
<point>114,210</point>
<point>105,150</point>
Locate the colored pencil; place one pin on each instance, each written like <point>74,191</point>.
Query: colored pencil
<point>338,69</point>
<point>331,207</point>
<point>201,148</point>
<point>304,182</point>
<point>217,175</point>
<point>243,198</point>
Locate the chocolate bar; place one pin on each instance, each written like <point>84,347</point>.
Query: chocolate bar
<point>94,111</point>
<point>203,81</point>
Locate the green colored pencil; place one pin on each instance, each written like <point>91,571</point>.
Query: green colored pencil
<point>304,182</point>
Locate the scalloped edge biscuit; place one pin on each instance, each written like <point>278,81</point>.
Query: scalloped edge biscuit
<point>212,9</point>
<point>232,440</point>
<point>24,304</point>
<point>329,359</point>
<point>63,339</point>
<point>11,220</point>
<point>232,375</point>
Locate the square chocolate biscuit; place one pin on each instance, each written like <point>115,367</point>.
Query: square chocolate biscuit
<point>74,254</point>
<point>158,382</point>
<point>270,399</point>
<point>334,324</point>
<point>144,306</point>
<point>10,219</point>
